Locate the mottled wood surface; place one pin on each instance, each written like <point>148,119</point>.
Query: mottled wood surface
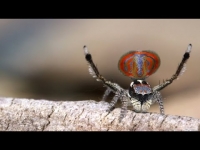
<point>43,115</point>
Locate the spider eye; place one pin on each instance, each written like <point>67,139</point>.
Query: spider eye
<point>136,82</point>
<point>144,82</point>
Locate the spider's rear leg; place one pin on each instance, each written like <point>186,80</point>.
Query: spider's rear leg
<point>106,93</point>
<point>112,103</point>
<point>123,112</point>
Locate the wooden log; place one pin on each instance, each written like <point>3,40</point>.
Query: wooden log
<point>42,115</point>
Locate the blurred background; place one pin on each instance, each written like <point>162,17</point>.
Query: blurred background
<point>44,58</point>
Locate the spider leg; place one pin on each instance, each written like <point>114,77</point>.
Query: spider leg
<point>114,87</point>
<point>95,73</point>
<point>123,112</point>
<point>92,68</point>
<point>158,97</point>
<point>112,103</point>
<point>106,93</point>
<point>180,70</point>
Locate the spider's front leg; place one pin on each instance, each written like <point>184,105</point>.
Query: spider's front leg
<point>180,70</point>
<point>111,87</point>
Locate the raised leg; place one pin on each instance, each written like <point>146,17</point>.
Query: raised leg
<point>120,93</point>
<point>180,70</point>
<point>92,68</point>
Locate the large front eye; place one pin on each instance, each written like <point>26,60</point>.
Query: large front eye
<point>136,82</point>
<point>144,82</point>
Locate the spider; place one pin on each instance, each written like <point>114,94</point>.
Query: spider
<point>137,65</point>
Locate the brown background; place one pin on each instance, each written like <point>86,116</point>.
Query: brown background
<point>44,59</point>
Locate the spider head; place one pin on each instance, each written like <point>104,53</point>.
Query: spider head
<point>140,90</point>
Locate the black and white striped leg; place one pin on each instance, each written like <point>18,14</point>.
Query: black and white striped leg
<point>106,93</point>
<point>114,87</point>
<point>92,67</point>
<point>124,108</point>
<point>94,72</point>
<point>159,99</point>
<point>112,103</point>
<point>180,70</point>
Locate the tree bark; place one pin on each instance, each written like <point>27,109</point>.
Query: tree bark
<point>43,115</point>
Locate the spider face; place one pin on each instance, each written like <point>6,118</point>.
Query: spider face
<point>140,94</point>
<point>137,65</point>
<point>140,90</point>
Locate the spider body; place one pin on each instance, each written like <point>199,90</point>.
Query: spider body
<point>137,65</point>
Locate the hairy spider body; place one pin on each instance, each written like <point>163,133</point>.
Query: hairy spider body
<point>137,65</point>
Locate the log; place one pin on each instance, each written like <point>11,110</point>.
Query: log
<point>42,115</point>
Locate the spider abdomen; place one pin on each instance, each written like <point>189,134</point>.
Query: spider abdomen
<point>139,64</point>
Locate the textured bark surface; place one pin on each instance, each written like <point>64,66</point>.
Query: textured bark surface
<point>43,115</point>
